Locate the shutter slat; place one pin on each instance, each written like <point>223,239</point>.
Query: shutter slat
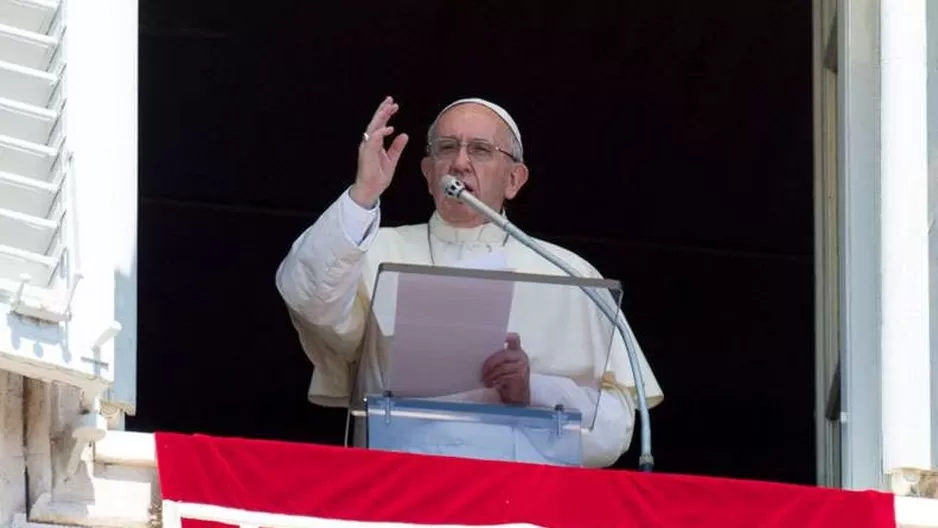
<point>26,85</point>
<point>26,195</point>
<point>31,160</point>
<point>26,232</point>
<point>26,122</point>
<point>15,262</point>
<point>31,15</point>
<point>26,48</point>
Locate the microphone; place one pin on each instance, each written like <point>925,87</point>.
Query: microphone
<point>456,189</point>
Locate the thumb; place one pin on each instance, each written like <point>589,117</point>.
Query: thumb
<point>513,341</point>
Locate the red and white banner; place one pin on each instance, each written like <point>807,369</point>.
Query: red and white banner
<point>264,484</point>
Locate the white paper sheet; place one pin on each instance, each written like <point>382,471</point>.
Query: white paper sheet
<point>445,328</point>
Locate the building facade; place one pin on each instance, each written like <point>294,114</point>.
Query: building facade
<point>68,176</point>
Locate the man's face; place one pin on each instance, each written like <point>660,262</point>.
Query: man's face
<point>473,144</point>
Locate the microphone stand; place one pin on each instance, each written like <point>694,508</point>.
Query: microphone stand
<point>454,188</point>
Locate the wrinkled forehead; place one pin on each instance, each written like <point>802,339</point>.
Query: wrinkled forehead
<point>472,121</point>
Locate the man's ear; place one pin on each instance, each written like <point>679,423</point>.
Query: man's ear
<point>426,167</point>
<point>516,180</point>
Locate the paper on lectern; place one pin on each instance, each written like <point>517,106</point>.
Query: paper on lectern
<point>445,328</point>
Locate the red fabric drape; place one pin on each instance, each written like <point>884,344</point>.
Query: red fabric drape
<point>365,485</point>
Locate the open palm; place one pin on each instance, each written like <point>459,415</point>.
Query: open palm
<point>376,164</point>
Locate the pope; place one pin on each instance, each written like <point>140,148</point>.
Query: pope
<point>328,276</point>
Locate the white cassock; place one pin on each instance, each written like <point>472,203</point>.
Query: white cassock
<point>327,280</point>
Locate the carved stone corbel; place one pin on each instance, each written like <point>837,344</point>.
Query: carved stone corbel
<point>89,427</point>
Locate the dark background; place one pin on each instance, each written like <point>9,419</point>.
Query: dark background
<point>669,143</point>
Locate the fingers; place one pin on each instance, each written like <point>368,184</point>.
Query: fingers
<point>514,394</point>
<point>396,148</point>
<point>492,361</point>
<point>501,365</point>
<point>385,110</point>
<point>513,341</point>
<point>378,130</point>
<point>503,372</point>
<point>376,138</point>
<point>511,352</point>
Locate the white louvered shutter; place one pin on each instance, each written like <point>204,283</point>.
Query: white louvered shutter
<point>68,116</point>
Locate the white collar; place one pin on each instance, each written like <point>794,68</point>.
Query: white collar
<point>485,234</point>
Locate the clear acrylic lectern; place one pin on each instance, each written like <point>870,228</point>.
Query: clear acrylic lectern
<point>419,384</point>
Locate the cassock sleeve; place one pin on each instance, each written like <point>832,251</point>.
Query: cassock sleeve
<point>614,423</point>
<point>320,282</point>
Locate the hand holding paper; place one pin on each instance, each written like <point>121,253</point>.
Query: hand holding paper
<point>445,329</point>
<point>508,372</point>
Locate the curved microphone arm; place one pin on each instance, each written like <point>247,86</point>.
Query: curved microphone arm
<point>457,190</point>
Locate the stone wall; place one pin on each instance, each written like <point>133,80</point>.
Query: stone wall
<point>12,450</point>
<point>114,485</point>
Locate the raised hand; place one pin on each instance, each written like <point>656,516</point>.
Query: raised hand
<point>376,165</point>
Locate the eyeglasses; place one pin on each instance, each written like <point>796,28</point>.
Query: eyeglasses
<point>479,150</point>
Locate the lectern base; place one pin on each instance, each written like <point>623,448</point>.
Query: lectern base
<point>473,430</point>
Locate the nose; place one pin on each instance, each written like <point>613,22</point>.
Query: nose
<point>462,162</point>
